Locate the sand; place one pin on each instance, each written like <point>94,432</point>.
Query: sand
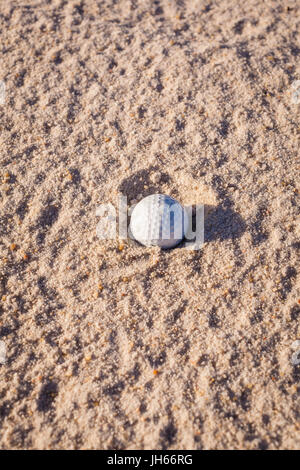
<point>110,345</point>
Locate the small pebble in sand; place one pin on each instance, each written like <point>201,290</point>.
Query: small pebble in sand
<point>155,178</point>
<point>69,175</point>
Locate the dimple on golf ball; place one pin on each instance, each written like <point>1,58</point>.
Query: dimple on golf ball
<point>158,220</point>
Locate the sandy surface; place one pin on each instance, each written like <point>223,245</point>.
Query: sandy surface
<point>112,346</point>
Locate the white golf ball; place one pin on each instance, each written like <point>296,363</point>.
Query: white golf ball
<point>158,220</point>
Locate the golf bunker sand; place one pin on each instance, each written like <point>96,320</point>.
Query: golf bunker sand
<point>110,344</point>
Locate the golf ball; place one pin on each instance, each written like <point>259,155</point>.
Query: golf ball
<point>158,220</point>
